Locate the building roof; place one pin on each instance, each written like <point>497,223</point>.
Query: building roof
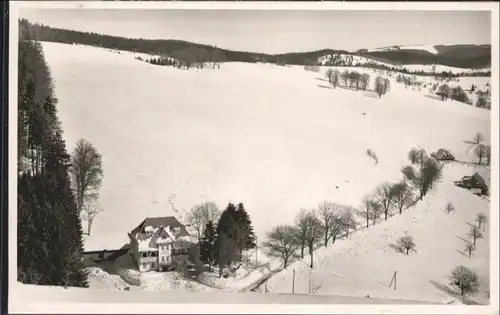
<point>443,154</point>
<point>157,222</point>
<point>478,178</point>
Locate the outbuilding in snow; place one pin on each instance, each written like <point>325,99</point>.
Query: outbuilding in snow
<point>443,155</point>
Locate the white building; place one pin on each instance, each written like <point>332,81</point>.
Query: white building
<point>160,244</point>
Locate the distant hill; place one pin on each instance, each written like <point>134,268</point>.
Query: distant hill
<point>462,56</point>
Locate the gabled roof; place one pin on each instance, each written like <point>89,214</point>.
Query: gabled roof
<point>442,154</point>
<point>158,222</point>
<point>478,178</point>
<point>160,233</point>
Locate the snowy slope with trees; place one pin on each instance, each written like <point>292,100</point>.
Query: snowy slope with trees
<point>278,139</point>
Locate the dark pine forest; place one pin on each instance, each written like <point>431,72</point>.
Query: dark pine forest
<point>49,230</point>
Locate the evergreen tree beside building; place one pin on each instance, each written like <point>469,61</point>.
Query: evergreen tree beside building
<point>208,245</point>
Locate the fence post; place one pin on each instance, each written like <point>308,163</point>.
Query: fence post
<point>293,282</point>
<point>395,277</point>
<point>256,251</point>
<point>393,280</point>
<point>310,276</point>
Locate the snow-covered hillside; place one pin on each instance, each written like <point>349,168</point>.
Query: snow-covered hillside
<point>277,139</point>
<point>356,60</point>
<point>428,48</point>
<point>365,263</point>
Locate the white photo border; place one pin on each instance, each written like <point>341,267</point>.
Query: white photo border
<point>19,299</point>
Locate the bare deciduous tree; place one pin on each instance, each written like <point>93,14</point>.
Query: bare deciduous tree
<point>86,177</point>
<point>91,210</point>
<point>201,214</point>
<point>402,196</point>
<point>487,154</point>
<point>335,78</point>
<point>475,233</point>
<point>449,208</point>
<point>424,172</point>
<point>465,280</point>
<point>387,85</point>
<point>469,248</point>
<point>367,205</point>
<point>444,91</point>
<point>481,102</point>
<point>480,151</point>
<point>383,195</point>
<point>329,74</point>
<point>301,224</point>
<point>355,78</point>
<point>478,138</point>
<point>417,156</point>
<point>379,86</point>
<point>376,211</point>
<point>313,234</point>
<point>481,220</point>
<point>365,80</point>
<point>348,221</point>
<point>406,244</point>
<point>282,242</point>
<point>345,77</point>
<point>328,214</point>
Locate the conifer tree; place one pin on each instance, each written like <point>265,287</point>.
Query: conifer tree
<point>226,245</point>
<point>50,249</point>
<point>245,224</point>
<point>208,245</point>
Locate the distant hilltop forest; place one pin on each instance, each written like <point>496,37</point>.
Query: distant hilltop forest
<point>461,56</point>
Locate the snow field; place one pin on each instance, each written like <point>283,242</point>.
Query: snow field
<point>364,264</point>
<point>275,138</point>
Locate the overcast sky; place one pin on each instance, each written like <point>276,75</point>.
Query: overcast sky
<point>279,31</point>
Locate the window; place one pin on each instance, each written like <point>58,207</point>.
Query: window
<point>162,258</point>
<point>144,265</point>
<point>144,254</point>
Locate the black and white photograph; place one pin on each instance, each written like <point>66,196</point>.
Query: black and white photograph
<point>310,156</point>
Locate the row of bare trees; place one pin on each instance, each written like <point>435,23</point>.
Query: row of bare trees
<point>189,58</point>
<point>355,79</point>
<point>330,220</point>
<point>313,68</point>
<point>475,232</point>
<point>457,93</point>
<point>349,78</point>
<point>463,278</point>
<point>419,178</point>
<point>323,224</point>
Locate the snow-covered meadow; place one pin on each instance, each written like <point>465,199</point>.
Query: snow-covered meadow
<point>277,139</point>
